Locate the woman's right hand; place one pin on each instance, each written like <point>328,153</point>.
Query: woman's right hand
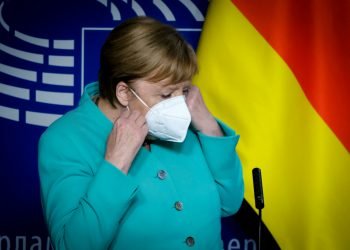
<point>126,138</point>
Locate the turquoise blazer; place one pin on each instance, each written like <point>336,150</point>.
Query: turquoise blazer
<point>172,198</point>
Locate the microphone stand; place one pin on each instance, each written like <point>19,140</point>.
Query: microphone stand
<point>259,198</point>
<point>259,236</point>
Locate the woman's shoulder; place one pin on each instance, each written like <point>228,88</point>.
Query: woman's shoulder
<point>65,130</point>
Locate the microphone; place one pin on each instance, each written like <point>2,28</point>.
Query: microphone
<point>259,198</point>
<point>258,188</point>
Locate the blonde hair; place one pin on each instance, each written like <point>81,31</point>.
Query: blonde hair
<point>144,48</point>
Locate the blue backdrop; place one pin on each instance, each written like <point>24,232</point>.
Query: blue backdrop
<point>48,51</point>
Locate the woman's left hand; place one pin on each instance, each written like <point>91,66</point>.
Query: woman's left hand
<point>202,119</point>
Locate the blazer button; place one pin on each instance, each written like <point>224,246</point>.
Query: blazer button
<point>190,241</point>
<point>162,174</point>
<point>179,205</point>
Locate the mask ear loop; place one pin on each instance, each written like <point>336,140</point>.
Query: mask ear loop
<point>132,91</point>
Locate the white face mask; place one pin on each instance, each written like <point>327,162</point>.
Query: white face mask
<point>168,120</point>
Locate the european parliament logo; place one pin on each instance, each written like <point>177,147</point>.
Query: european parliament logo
<point>50,49</point>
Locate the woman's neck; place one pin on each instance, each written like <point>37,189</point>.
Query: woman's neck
<point>107,109</point>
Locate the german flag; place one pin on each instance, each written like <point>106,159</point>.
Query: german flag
<point>278,71</point>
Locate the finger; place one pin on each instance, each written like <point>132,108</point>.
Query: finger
<point>193,96</point>
<point>194,87</point>
<point>140,121</point>
<point>191,91</point>
<point>125,113</point>
<point>134,115</point>
<point>189,98</point>
<point>145,128</point>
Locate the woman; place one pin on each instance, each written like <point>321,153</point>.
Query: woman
<point>141,163</point>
